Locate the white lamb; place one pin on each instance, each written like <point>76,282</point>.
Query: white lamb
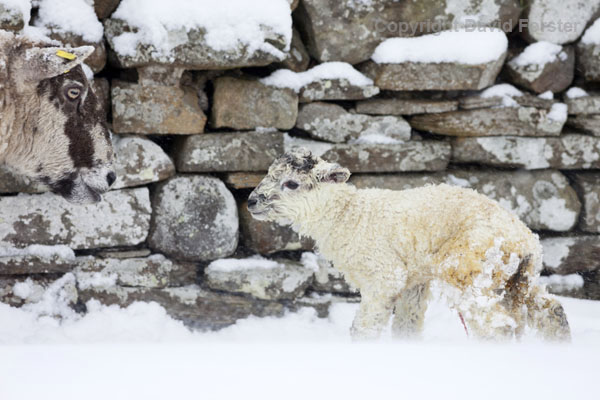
<point>393,244</point>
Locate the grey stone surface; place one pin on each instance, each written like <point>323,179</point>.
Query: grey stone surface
<point>195,307</point>
<point>408,156</point>
<point>101,88</point>
<point>248,104</point>
<point>514,121</point>
<point>155,109</point>
<point>154,271</point>
<point>555,76</point>
<point>140,161</point>
<point>192,50</point>
<point>336,89</point>
<point>544,200</point>
<point>572,254</point>
<point>122,218</point>
<point>433,76</point>
<point>284,280</point>
<point>268,237</point>
<point>588,187</point>
<point>583,105</point>
<point>195,219</point>
<point>244,151</point>
<point>567,18</point>
<point>587,123</point>
<point>570,151</point>
<point>405,106</point>
<point>587,61</point>
<point>297,58</point>
<point>330,122</point>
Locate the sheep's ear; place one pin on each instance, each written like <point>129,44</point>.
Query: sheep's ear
<point>335,174</point>
<point>47,62</point>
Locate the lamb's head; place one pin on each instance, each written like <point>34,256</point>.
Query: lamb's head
<point>288,181</point>
<point>66,143</point>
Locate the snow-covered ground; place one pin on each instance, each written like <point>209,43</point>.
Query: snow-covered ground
<point>141,353</point>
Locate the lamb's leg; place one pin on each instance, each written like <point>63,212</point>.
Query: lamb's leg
<point>409,312</point>
<point>547,316</point>
<point>373,315</point>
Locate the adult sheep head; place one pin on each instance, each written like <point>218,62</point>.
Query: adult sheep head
<point>289,179</point>
<point>53,128</point>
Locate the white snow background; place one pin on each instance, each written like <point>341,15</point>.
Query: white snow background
<point>139,352</point>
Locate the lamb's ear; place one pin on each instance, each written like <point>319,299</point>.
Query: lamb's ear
<point>334,173</point>
<point>47,62</point>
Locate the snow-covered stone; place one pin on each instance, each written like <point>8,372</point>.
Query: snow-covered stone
<point>350,30</point>
<point>580,102</point>
<point>516,121</point>
<point>570,151</point>
<point>452,60</point>
<point>195,218</point>
<point>196,307</point>
<point>155,271</point>
<point>558,21</point>
<point>221,152</point>
<point>14,14</point>
<point>140,161</point>
<point>588,187</point>
<point>571,285</point>
<point>405,106</point>
<point>201,34</point>
<point>36,259</point>
<point>122,218</point>
<point>259,277</point>
<point>332,123</point>
<point>155,109</point>
<point>543,199</point>
<point>249,104</point>
<point>543,66</point>
<point>327,81</point>
<point>268,237</point>
<point>571,254</point>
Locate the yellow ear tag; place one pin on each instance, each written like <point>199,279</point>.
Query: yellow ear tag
<point>66,55</point>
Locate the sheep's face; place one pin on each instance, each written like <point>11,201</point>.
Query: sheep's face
<point>66,143</point>
<point>72,144</point>
<point>289,178</point>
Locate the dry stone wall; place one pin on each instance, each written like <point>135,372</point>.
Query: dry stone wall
<point>196,128</point>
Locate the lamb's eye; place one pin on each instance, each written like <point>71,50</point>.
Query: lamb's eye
<point>291,185</point>
<point>73,93</point>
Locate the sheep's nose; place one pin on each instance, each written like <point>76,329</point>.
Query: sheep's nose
<point>111,177</point>
<point>252,203</point>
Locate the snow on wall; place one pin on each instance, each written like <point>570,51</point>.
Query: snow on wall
<point>227,23</point>
<point>460,46</point>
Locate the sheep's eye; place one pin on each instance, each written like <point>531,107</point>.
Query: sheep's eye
<point>290,185</point>
<point>73,93</point>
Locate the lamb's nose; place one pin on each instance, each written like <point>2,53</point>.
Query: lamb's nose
<point>111,177</point>
<point>252,202</point>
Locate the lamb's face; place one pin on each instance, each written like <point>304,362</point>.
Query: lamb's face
<point>72,144</point>
<point>289,178</point>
